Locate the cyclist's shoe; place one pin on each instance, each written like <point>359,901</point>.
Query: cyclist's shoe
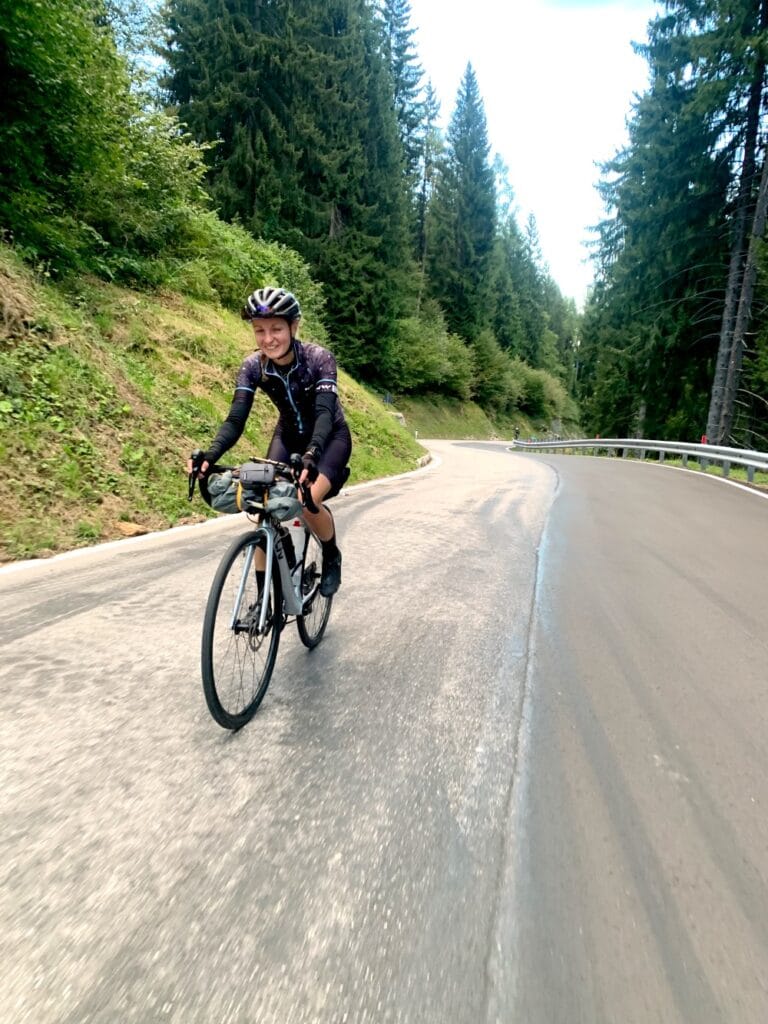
<point>330,580</point>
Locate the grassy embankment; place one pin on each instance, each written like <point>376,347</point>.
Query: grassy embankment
<point>104,391</point>
<point>450,418</point>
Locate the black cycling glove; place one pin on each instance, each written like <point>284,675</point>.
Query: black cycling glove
<point>309,462</point>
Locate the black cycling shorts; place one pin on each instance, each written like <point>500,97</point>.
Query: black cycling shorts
<point>333,461</point>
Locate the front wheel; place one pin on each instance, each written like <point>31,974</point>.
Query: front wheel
<point>312,623</point>
<point>238,655</point>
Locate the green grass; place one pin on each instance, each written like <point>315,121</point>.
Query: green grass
<point>738,473</point>
<point>437,416</point>
<point>103,393</point>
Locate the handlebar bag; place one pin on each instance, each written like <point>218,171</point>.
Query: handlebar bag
<point>223,492</point>
<point>283,501</point>
<point>256,474</point>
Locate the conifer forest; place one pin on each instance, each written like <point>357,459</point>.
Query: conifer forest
<point>210,145</point>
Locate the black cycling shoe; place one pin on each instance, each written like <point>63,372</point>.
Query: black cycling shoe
<point>330,580</point>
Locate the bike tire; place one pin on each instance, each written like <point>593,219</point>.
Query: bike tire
<point>311,625</point>
<point>237,661</point>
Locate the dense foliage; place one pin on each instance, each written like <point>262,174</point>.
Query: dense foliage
<point>326,140</point>
<point>292,141</point>
<point>672,314</point>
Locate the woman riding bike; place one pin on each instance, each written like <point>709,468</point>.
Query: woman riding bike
<point>300,378</point>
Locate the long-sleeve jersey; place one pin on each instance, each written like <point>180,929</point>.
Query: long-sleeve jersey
<point>305,394</point>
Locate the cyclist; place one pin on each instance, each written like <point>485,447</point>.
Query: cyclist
<point>300,378</point>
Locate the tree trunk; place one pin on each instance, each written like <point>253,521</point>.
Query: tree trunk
<point>742,216</point>
<point>735,276</point>
<point>744,310</point>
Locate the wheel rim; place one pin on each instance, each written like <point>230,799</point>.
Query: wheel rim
<point>315,616</point>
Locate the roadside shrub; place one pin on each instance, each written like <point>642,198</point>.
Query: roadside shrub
<point>213,260</point>
<point>491,366</point>
<point>459,367</point>
<point>422,355</point>
<point>543,396</point>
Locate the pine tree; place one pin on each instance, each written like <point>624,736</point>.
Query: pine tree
<point>406,81</point>
<point>463,217</point>
<point>747,90</point>
<point>298,101</point>
<point>506,308</point>
<point>355,234</point>
<point>661,258</point>
<point>431,150</point>
<point>229,82</point>
<point>673,258</point>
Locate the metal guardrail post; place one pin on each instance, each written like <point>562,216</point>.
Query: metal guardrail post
<point>726,468</point>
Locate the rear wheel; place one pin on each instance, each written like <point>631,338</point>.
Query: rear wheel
<point>238,655</point>
<point>312,623</point>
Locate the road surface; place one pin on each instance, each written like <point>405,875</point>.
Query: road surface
<point>521,779</point>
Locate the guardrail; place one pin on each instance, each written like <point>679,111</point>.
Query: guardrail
<point>702,453</point>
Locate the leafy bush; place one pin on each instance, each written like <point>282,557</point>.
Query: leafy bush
<point>209,259</point>
<point>459,367</point>
<point>97,180</point>
<point>491,374</point>
<point>64,133</point>
<point>543,396</point>
<point>422,355</point>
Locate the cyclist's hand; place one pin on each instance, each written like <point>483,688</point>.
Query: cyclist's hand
<point>310,471</point>
<point>197,464</point>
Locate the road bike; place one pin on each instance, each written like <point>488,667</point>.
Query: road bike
<point>248,609</point>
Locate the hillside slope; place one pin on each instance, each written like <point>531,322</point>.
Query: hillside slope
<point>104,391</point>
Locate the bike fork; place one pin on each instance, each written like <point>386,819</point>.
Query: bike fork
<point>270,548</point>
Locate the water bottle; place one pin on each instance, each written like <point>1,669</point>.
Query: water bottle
<point>298,536</point>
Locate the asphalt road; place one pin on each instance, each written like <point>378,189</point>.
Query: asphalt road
<point>521,779</point>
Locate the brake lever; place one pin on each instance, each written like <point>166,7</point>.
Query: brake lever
<point>197,461</point>
<point>309,504</point>
<point>298,466</point>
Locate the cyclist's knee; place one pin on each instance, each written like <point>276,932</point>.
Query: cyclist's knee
<point>320,489</point>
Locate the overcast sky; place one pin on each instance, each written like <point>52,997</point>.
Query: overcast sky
<point>557,79</point>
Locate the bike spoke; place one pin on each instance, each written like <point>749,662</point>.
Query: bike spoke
<point>237,659</point>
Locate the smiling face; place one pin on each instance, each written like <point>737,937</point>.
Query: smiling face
<point>274,337</point>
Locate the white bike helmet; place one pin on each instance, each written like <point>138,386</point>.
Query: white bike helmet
<point>270,301</point>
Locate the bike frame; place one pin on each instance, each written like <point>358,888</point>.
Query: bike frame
<point>291,579</point>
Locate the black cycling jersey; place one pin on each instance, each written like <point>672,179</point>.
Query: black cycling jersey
<point>305,394</point>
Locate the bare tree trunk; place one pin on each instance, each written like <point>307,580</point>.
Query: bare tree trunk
<point>744,212</point>
<point>640,419</point>
<point>745,309</point>
<point>735,276</point>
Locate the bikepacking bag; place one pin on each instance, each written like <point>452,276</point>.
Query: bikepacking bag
<point>241,490</point>
<point>224,492</point>
<point>283,501</point>
<point>228,488</point>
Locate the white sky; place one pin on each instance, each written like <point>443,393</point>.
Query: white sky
<point>557,79</point>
